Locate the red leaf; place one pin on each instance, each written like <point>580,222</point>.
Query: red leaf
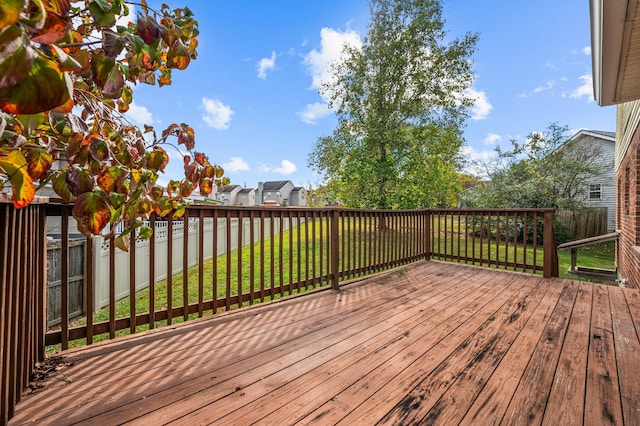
<point>99,150</point>
<point>148,28</point>
<point>55,29</point>
<point>79,180</point>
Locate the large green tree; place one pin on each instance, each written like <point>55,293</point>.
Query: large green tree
<point>401,104</point>
<point>67,69</point>
<point>547,170</point>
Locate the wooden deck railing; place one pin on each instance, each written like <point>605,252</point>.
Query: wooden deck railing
<point>518,239</point>
<point>226,258</point>
<point>220,258</point>
<point>22,298</point>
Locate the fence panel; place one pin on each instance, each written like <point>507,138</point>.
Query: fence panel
<point>583,223</point>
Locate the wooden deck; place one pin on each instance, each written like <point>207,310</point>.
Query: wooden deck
<point>433,343</point>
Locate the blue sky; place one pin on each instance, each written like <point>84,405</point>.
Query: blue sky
<point>252,96</point>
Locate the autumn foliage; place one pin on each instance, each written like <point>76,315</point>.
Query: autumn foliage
<point>67,69</point>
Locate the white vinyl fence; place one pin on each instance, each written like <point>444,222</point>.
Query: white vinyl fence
<point>142,253</point>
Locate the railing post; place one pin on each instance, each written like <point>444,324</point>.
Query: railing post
<point>427,236</point>
<point>550,268</point>
<point>334,246</point>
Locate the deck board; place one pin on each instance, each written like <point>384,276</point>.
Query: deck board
<point>434,343</point>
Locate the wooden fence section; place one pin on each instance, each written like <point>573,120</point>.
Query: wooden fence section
<point>22,298</point>
<point>583,223</point>
<point>317,247</point>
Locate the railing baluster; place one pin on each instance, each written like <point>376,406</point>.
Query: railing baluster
<point>64,275</point>
<point>252,254</point>
<point>152,272</point>
<point>169,270</point>
<point>132,282</point>
<point>201,263</point>
<point>185,266</point>
<point>214,269</point>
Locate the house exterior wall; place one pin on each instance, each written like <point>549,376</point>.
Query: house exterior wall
<point>298,198</point>
<point>280,195</point>
<point>607,180</point>
<point>228,198</point>
<point>246,198</point>
<point>628,193</point>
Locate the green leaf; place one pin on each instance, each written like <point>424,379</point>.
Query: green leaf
<point>108,75</point>
<point>122,241</point>
<point>10,12</point>
<point>145,232</point>
<point>92,211</point>
<point>101,13</point>
<point>157,159</point>
<point>15,166</point>
<point>45,88</point>
<point>16,56</point>
<point>59,183</point>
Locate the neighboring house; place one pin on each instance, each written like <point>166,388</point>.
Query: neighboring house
<point>246,197</point>
<point>298,197</point>
<point>227,194</point>
<point>600,191</point>
<point>278,191</point>
<point>615,50</point>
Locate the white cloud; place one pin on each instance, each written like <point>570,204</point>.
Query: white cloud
<point>586,50</point>
<point>286,168</point>
<point>492,138</point>
<point>237,164</point>
<point>550,84</point>
<point>314,112</point>
<point>481,106</point>
<point>332,44</point>
<point>139,115</point>
<point>266,64</point>
<point>216,114</point>
<point>585,90</point>
<point>472,154</point>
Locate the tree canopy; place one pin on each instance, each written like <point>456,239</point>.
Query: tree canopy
<point>548,170</point>
<point>66,75</point>
<point>401,102</point>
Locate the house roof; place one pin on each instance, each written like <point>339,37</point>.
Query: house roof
<point>615,50</point>
<point>610,136</point>
<point>275,185</point>
<point>246,191</point>
<point>298,188</point>
<point>228,188</point>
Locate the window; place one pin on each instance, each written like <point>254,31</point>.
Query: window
<point>595,192</point>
